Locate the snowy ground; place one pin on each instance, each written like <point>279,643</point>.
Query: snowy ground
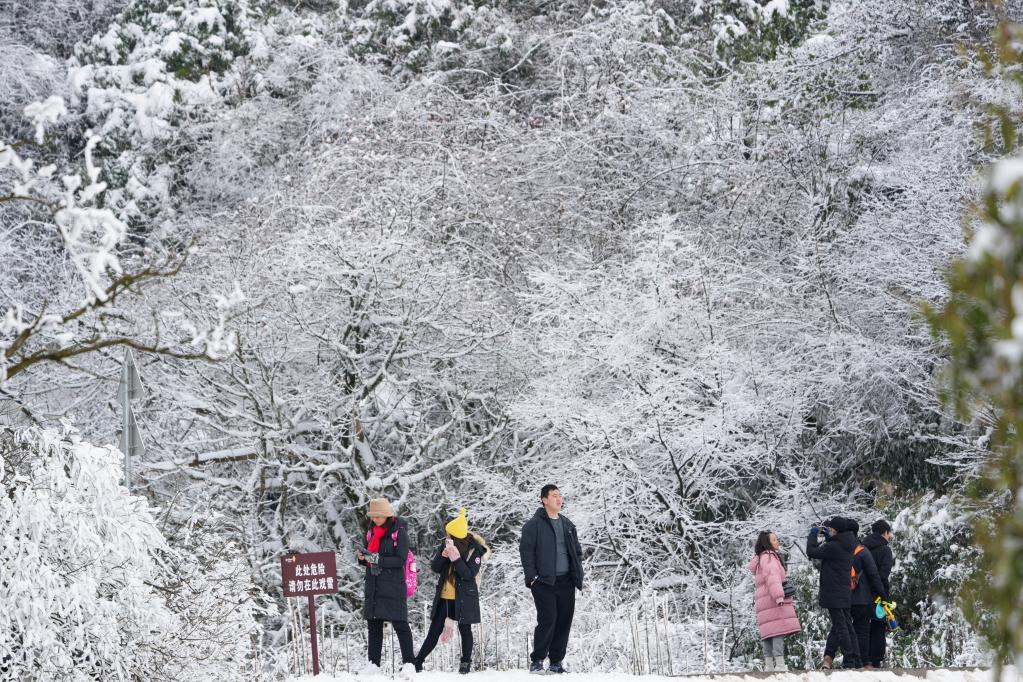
<point>811,676</point>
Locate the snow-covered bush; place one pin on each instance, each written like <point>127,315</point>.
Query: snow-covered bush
<point>160,67</point>
<point>90,586</point>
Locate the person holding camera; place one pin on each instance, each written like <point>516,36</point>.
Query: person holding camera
<point>836,557</point>
<point>776,614</point>
<point>457,564</point>
<point>385,597</point>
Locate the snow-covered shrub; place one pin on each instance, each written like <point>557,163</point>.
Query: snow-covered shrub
<point>90,587</point>
<point>159,67</point>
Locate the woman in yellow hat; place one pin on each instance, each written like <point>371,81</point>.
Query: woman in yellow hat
<point>457,564</point>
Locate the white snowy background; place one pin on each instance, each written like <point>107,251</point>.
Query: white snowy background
<point>669,254</point>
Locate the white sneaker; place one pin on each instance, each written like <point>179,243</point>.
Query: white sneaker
<point>407,672</point>
<point>367,669</point>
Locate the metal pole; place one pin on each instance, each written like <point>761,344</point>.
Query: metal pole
<point>312,635</point>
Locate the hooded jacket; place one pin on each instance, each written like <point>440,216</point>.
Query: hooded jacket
<point>883,558</point>
<point>776,614</point>
<point>836,566</point>
<point>466,569</point>
<point>538,550</point>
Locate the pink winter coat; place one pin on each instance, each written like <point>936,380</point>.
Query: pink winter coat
<point>775,614</point>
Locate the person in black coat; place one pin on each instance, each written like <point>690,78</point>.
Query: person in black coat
<point>385,596</point>
<point>868,587</point>
<point>836,557</point>
<point>552,565</point>
<point>457,565</point>
<point>877,543</point>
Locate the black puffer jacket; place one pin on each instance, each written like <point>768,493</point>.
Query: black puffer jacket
<point>883,558</point>
<point>467,595</point>
<point>868,585</point>
<point>385,593</point>
<point>538,549</point>
<point>836,568</point>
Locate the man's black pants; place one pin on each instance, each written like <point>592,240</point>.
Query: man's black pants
<point>376,639</point>
<point>445,609</point>
<point>555,607</point>
<point>863,616</point>
<point>878,630</point>
<point>842,636</point>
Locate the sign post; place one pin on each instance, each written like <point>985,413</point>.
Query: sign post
<point>307,575</point>
<point>130,387</point>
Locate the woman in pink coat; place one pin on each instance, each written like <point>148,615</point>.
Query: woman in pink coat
<point>775,613</point>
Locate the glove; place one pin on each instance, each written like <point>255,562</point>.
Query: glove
<point>814,530</point>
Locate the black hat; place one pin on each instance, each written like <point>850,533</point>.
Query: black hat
<point>839,524</point>
<point>854,526</point>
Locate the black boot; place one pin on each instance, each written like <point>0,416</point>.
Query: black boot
<point>418,662</point>
<point>463,667</point>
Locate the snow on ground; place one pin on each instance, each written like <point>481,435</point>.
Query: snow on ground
<point>802,676</point>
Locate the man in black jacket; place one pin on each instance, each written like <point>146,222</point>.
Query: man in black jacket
<point>868,587</point>
<point>552,565</point>
<point>877,543</point>
<point>836,556</point>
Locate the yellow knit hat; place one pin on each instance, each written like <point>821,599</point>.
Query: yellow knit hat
<point>459,526</point>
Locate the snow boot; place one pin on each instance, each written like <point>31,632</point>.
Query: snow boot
<point>779,665</point>
<point>768,664</point>
<point>463,667</point>
<point>828,663</point>
<point>536,668</point>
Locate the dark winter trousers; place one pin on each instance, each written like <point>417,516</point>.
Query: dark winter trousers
<point>862,615</point>
<point>555,606</point>
<point>445,610</point>
<point>376,639</point>
<point>843,636</point>
<point>878,630</point>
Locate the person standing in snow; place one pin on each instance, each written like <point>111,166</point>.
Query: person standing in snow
<point>385,591</point>
<point>836,557</point>
<point>877,544</point>
<point>552,563</point>
<point>867,586</point>
<point>457,563</point>
<point>776,614</point>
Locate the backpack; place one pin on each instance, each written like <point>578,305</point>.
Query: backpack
<point>411,568</point>
<point>854,577</point>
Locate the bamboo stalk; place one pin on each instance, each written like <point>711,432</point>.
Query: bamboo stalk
<point>646,634</point>
<point>667,640</point>
<point>706,642</point>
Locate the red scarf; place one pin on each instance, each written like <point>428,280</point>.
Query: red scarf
<point>374,540</point>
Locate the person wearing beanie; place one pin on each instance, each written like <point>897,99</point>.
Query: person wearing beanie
<point>385,598</point>
<point>877,543</point>
<point>835,597</point>
<point>457,564</point>
<point>552,563</point>
<point>776,614</point>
